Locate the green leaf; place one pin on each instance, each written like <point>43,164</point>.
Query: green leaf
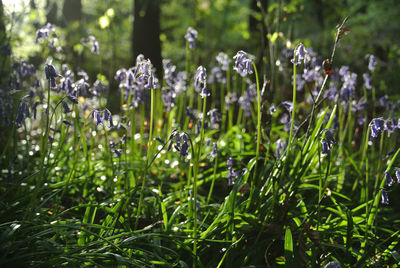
<point>289,257</point>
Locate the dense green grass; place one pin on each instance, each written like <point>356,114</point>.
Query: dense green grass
<point>84,194</point>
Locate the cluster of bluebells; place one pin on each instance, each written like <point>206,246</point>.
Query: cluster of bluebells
<point>134,81</point>
<point>180,141</point>
<point>174,84</point>
<point>223,60</point>
<point>102,117</point>
<point>215,118</point>
<point>45,33</point>
<point>378,125</point>
<point>191,36</point>
<point>243,62</point>
<point>389,181</point>
<point>231,173</point>
<point>94,45</point>
<point>22,71</point>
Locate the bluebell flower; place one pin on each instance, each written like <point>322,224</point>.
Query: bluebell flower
<point>51,75</point>
<point>280,147</point>
<point>299,54</point>
<point>204,93</point>
<point>230,162</point>
<point>191,36</point>
<point>384,197</point>
<point>367,80</point>
<point>243,62</point>
<point>299,82</point>
<point>332,264</point>
<point>347,91</point>
<point>216,75</point>
<point>214,150</point>
<point>288,105</point>
<point>44,33</point>
<point>118,152</point>
<point>388,179</point>
<point>371,62</point>
<point>34,109</point>
<point>67,123</point>
<point>377,126</point>
<point>65,107</point>
<point>325,147</point>
<point>22,113</point>
<point>107,116</point>
<point>159,140</point>
<point>223,59</point>
<point>215,118</point>
<point>230,99</point>
<point>200,78</point>
<point>95,45</point>
<point>343,71</point>
<point>272,109</point>
<point>97,117</point>
<point>397,174</point>
<point>390,125</point>
<point>249,97</point>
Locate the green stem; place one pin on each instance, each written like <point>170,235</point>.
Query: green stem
<point>149,145</point>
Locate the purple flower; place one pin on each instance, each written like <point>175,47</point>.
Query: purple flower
<point>389,180</point>
<point>215,118</point>
<point>200,78</point>
<point>95,45</point>
<point>367,81</point>
<point>214,150</point>
<point>347,91</point>
<point>204,93</point>
<point>299,54</point>
<point>384,197</point>
<point>223,59</point>
<point>332,264</point>
<point>243,62</point>
<point>371,62</point>
<point>397,174</point>
<point>299,82</point>
<point>272,109</point>
<point>191,35</point>
<point>288,105</point>
<point>280,147</point>
<point>377,126</point>
<point>325,147</point>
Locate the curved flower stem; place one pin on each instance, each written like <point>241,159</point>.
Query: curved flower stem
<point>149,145</point>
<point>253,186</point>
<point>293,110</point>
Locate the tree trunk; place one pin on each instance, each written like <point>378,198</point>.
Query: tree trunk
<point>5,49</point>
<point>146,32</point>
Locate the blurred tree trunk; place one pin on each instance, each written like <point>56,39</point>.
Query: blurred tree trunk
<point>5,49</point>
<point>146,32</point>
<point>72,10</point>
<point>51,11</point>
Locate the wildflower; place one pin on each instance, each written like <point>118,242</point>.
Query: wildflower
<point>397,174</point>
<point>325,147</point>
<point>243,62</point>
<point>230,162</point>
<point>299,82</point>
<point>214,118</point>
<point>377,126</point>
<point>180,141</point>
<point>230,98</point>
<point>216,75</point>
<point>299,54</point>
<point>384,197</point>
<point>288,105</point>
<point>200,78</point>
<point>191,35</point>
<point>272,109</point>
<point>204,93</point>
<point>223,59</point>
<point>160,140</point>
<point>97,117</point>
<point>34,109</point>
<point>22,113</point>
<point>44,33</point>
<point>332,264</point>
<point>95,45</point>
<point>214,150</point>
<point>118,152</point>
<point>388,179</point>
<point>67,123</point>
<point>280,147</point>
<point>347,91</point>
<point>367,81</point>
<point>107,116</point>
<point>51,75</point>
<point>248,98</point>
<point>371,62</point>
